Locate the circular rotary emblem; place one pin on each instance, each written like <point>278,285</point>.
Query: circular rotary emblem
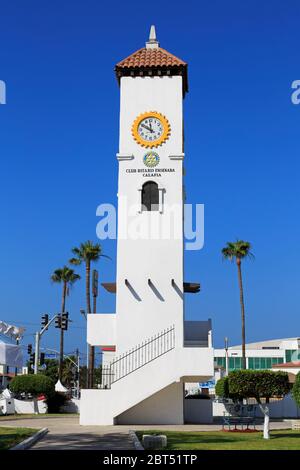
<point>151,159</point>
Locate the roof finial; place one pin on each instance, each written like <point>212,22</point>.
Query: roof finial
<point>152,43</point>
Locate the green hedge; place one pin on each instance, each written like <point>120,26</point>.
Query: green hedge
<point>56,401</point>
<point>296,389</point>
<point>241,384</point>
<point>258,383</point>
<point>32,384</point>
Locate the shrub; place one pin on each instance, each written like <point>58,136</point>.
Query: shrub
<point>259,384</point>
<point>56,401</point>
<point>296,389</point>
<point>222,389</point>
<point>34,385</point>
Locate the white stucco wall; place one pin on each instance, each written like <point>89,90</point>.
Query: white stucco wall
<point>142,315</point>
<point>101,329</point>
<point>178,365</point>
<point>164,407</point>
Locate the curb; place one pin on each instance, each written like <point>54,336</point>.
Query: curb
<point>27,443</point>
<point>135,440</point>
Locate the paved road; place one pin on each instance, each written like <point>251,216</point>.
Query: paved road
<point>66,433</point>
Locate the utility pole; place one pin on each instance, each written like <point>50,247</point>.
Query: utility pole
<point>16,369</point>
<point>83,313</point>
<point>45,323</point>
<point>95,295</point>
<point>78,372</point>
<point>226,356</point>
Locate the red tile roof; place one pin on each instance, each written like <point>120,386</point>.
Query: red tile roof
<point>157,57</point>
<point>152,61</point>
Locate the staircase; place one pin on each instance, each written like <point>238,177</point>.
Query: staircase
<point>152,367</point>
<point>138,357</point>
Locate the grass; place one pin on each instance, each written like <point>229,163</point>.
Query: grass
<point>37,416</point>
<point>220,440</point>
<point>12,436</point>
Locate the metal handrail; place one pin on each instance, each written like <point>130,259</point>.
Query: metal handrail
<point>138,357</point>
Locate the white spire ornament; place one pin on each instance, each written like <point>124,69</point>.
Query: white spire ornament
<point>152,43</point>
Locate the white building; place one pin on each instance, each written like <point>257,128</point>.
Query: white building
<point>261,355</point>
<point>153,350</point>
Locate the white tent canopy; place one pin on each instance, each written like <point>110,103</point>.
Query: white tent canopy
<point>11,355</point>
<point>60,388</point>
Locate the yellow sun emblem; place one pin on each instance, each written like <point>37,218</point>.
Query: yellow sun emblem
<point>151,129</point>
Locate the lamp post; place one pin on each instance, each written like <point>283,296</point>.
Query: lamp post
<point>38,337</point>
<point>226,356</point>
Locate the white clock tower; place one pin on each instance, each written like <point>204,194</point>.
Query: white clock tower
<point>152,350</point>
<point>153,83</point>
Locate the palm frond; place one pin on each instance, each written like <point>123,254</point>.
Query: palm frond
<point>237,250</point>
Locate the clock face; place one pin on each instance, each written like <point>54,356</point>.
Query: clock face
<point>151,129</point>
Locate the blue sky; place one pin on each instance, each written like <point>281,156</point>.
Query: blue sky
<point>59,137</point>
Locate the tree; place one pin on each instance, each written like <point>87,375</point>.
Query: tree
<point>222,388</point>
<point>51,369</point>
<point>67,277</point>
<point>34,385</point>
<point>82,376</point>
<point>87,253</point>
<point>259,384</point>
<point>237,251</point>
<point>69,371</point>
<point>296,389</point>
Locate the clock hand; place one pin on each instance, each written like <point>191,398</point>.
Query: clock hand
<point>146,127</point>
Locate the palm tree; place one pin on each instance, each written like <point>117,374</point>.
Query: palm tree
<point>237,251</point>
<point>87,253</point>
<point>67,277</point>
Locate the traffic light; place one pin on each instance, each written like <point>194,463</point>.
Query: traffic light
<point>45,320</point>
<point>64,321</point>
<point>58,321</point>
<point>32,358</point>
<point>29,349</point>
<point>42,358</point>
